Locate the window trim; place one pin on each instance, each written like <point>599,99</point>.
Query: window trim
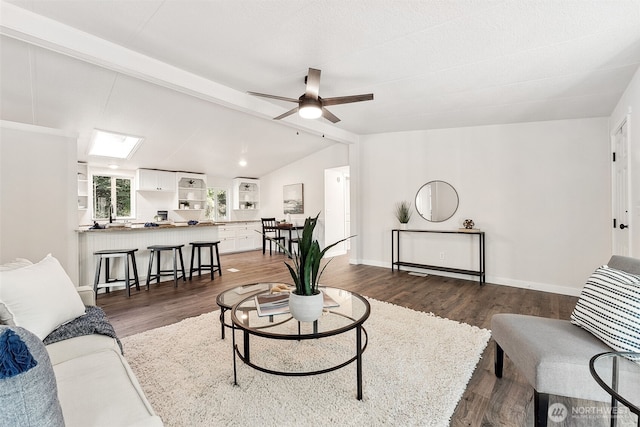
<point>227,191</point>
<point>114,174</point>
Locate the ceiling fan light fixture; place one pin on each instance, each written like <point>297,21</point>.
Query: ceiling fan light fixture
<point>310,104</point>
<point>310,109</point>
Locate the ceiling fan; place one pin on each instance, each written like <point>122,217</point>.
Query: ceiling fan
<point>310,104</point>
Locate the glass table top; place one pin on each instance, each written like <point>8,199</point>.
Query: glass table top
<point>344,311</point>
<point>230,297</point>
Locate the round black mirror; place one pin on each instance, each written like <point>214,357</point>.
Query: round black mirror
<point>437,201</point>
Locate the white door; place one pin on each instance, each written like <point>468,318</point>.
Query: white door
<point>620,191</point>
<point>335,201</point>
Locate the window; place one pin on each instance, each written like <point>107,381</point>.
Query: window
<point>216,209</point>
<point>110,144</point>
<point>112,191</point>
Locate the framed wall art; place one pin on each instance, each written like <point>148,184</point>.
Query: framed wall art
<point>293,199</point>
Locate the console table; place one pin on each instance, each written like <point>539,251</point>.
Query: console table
<point>396,260</point>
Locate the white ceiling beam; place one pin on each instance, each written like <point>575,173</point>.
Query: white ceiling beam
<point>38,30</point>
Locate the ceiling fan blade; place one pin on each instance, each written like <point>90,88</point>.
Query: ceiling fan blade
<point>313,84</point>
<point>281,98</point>
<point>329,116</point>
<point>287,114</point>
<point>347,99</point>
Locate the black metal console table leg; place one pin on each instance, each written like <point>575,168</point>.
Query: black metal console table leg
<point>393,250</point>
<point>481,251</point>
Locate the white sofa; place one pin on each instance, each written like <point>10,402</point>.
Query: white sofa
<point>95,384</point>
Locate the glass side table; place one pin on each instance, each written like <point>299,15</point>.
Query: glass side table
<point>618,373</point>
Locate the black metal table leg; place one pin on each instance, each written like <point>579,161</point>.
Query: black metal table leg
<point>233,348</point>
<point>222,311</point>
<point>359,360</point>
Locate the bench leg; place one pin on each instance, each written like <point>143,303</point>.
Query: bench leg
<point>499,361</point>
<point>540,408</point>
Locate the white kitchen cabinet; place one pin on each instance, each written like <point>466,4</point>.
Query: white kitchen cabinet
<point>227,237</point>
<point>192,191</point>
<point>246,193</point>
<point>155,180</point>
<point>239,236</point>
<point>246,237</point>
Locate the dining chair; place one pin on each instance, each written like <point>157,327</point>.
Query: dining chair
<point>270,232</point>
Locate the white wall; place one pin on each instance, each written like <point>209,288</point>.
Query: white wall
<point>629,104</point>
<point>38,213</point>
<point>540,191</point>
<point>310,172</point>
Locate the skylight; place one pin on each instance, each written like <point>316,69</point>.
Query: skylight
<point>114,145</point>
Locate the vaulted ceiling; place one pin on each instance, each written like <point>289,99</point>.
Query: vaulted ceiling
<point>177,72</point>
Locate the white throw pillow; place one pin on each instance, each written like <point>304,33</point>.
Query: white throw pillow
<point>40,297</point>
<point>5,317</point>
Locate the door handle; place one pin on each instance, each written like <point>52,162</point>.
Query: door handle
<point>622,226</point>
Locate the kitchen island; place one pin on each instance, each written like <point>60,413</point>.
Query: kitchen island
<point>234,236</point>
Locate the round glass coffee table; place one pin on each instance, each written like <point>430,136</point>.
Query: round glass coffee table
<point>344,312</point>
<point>618,373</point>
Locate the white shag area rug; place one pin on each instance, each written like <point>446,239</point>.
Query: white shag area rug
<point>415,370</point>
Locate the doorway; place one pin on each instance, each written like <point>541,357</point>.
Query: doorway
<point>336,209</point>
<point>620,190</point>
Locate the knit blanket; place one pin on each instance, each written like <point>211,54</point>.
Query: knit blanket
<point>94,321</point>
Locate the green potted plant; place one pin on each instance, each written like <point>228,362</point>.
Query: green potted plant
<point>403,213</point>
<point>305,269</point>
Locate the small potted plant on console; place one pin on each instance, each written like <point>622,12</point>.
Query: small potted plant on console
<point>403,213</point>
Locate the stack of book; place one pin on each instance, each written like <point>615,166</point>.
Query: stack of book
<point>272,304</point>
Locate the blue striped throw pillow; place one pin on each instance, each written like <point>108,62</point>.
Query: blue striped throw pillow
<point>609,308</point>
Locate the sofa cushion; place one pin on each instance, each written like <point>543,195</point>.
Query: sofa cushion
<point>99,389</point>
<point>609,308</point>
<point>552,354</point>
<point>65,350</point>
<point>29,398</point>
<point>40,297</point>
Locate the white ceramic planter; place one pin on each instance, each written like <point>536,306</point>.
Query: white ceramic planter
<point>306,308</point>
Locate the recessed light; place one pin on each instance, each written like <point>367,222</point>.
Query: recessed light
<point>242,163</point>
<point>114,145</point>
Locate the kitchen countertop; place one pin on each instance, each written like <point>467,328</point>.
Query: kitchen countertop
<point>140,226</point>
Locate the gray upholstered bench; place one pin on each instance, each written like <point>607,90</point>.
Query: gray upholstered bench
<point>552,354</point>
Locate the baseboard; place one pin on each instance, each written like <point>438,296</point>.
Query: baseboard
<point>534,286</point>
<point>495,280</point>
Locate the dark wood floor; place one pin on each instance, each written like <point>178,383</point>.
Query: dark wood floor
<point>488,401</point>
